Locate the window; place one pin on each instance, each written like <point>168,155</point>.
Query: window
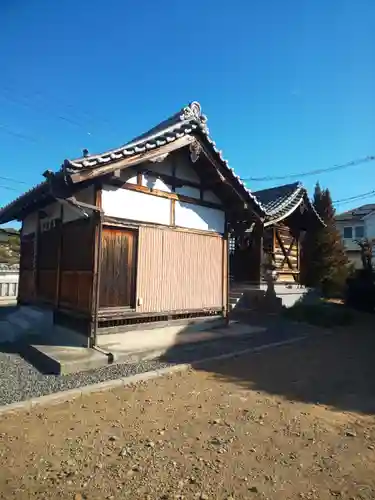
<point>359,232</point>
<point>348,232</point>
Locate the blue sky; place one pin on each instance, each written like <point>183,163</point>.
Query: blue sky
<point>287,86</point>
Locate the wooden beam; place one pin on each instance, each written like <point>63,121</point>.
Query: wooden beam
<point>139,178</point>
<point>136,159</point>
<point>124,223</point>
<point>285,252</point>
<point>59,253</point>
<point>98,196</point>
<point>173,213</point>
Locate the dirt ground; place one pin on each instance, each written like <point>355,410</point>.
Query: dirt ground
<point>287,423</point>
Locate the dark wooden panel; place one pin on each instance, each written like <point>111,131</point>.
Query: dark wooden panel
<point>77,265</point>
<point>48,264</point>
<point>117,270</point>
<point>26,287</point>
<point>78,244</point>
<point>27,252</point>
<point>47,281</point>
<point>76,290</point>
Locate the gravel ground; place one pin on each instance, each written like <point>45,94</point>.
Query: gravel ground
<point>19,380</point>
<point>291,423</point>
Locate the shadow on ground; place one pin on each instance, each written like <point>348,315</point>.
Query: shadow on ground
<point>336,370</point>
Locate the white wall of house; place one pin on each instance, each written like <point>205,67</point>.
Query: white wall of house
<point>370,225</point>
<point>351,231</point>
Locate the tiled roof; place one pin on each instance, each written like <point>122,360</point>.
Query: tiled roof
<point>281,201</point>
<point>189,120</point>
<point>356,214</point>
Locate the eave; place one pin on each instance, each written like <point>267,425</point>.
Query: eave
<point>282,201</point>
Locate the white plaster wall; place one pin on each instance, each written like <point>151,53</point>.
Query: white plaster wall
<point>198,217</point>
<point>150,181</point>
<point>71,213</point>
<point>163,167</point>
<point>189,191</point>
<point>210,196</point>
<point>184,169</point>
<point>137,206</point>
<point>52,211</point>
<point>30,224</point>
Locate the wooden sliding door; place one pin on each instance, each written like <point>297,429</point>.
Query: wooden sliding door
<point>117,270</point>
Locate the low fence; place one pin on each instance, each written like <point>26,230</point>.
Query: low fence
<point>9,285</point>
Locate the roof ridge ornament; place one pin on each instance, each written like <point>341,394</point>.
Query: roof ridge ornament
<point>194,112</point>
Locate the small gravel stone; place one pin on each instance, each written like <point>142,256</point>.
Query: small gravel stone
<point>19,380</point>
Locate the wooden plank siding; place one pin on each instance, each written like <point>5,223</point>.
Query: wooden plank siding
<point>77,265</point>
<point>179,270</point>
<point>117,269</point>
<point>48,264</point>
<point>26,290</point>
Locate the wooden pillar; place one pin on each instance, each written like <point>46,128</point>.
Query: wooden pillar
<point>258,234</point>
<point>59,254</point>
<point>226,280</point>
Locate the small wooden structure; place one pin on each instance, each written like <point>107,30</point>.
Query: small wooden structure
<point>134,235</point>
<point>274,243</point>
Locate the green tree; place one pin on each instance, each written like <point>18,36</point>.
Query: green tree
<point>325,263</point>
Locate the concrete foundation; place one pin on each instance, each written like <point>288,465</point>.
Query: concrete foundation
<point>257,296</point>
<point>129,347</point>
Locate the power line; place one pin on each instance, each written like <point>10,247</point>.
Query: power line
<point>311,172</point>
<point>13,180</point>
<point>357,197</point>
<point>8,188</point>
<point>72,119</point>
<point>17,134</point>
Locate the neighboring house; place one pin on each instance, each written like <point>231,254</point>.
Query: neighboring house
<point>134,235</point>
<point>353,225</point>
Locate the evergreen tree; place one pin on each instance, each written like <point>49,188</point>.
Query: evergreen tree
<point>325,263</point>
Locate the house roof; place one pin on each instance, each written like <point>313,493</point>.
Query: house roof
<point>188,121</point>
<point>356,214</point>
<point>281,201</point>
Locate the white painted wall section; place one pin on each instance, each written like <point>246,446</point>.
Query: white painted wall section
<point>197,217</point>
<point>29,224</point>
<point>192,192</point>
<point>163,167</point>
<point>210,196</point>
<point>133,205</point>
<point>185,170</point>
<point>150,181</point>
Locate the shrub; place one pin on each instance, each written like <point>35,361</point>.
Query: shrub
<point>360,291</point>
<point>321,314</point>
